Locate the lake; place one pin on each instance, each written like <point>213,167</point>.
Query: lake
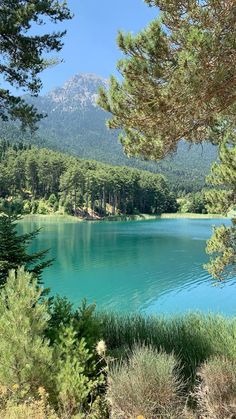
<point>148,266</point>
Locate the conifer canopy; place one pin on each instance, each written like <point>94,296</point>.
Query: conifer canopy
<point>178,77</point>
<point>22,51</point>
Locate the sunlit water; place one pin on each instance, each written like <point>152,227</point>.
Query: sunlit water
<point>148,266</point>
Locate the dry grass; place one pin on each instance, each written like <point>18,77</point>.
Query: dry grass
<point>216,392</point>
<point>28,410</point>
<point>146,385</point>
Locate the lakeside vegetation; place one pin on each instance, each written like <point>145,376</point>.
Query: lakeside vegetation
<point>54,217</point>
<point>61,362</point>
<point>42,181</point>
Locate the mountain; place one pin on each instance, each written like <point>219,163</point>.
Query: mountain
<point>75,124</point>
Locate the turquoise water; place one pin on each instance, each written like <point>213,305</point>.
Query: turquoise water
<point>148,266</point>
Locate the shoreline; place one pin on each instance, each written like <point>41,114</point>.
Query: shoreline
<point>139,217</point>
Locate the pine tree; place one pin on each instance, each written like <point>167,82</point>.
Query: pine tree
<point>22,54</point>
<point>222,199</point>
<point>179,77</point>
<point>76,376</point>
<point>13,250</point>
<point>179,82</point>
<point>24,353</point>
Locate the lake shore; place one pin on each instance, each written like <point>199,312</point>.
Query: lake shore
<point>132,217</point>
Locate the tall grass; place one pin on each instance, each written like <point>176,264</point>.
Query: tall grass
<point>193,338</point>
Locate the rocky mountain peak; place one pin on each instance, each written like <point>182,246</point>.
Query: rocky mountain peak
<point>79,92</point>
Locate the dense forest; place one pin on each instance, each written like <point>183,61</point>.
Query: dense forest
<point>36,180</point>
<point>179,168</point>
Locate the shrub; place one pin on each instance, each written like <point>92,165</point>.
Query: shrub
<point>42,207</point>
<point>27,207</point>
<point>52,199</point>
<point>84,321</point>
<point>25,354</point>
<point>29,409</point>
<point>216,393</point>
<point>147,385</point>
<point>77,381</point>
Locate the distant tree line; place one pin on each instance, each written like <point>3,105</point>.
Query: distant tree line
<point>29,174</point>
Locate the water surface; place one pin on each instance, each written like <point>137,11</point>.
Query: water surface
<point>149,266</point>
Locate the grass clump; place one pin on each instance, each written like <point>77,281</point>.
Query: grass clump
<point>216,392</point>
<point>147,385</point>
<point>193,338</point>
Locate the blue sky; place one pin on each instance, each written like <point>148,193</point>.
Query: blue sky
<point>90,42</point>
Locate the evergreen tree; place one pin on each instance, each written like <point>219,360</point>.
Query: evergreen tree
<point>77,378</point>
<point>222,245</point>
<point>22,54</point>
<point>179,77</point>
<point>179,82</point>
<point>25,354</point>
<point>13,250</point>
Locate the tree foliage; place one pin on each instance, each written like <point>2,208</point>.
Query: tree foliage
<point>179,82</point>
<point>42,178</point>
<point>25,354</point>
<point>22,51</point>
<point>222,244</point>
<point>179,77</point>
<point>13,250</point>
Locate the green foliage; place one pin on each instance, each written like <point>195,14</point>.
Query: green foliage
<point>222,245</point>
<point>23,54</point>
<point>178,77</point>
<point>216,392</point>
<point>13,250</point>
<point>147,385</point>
<point>43,176</point>
<point>60,377</point>
<point>83,319</point>
<point>193,203</point>
<point>76,391</point>
<point>193,338</point>
<point>25,354</point>
<point>179,83</point>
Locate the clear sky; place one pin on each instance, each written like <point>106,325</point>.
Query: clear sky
<point>90,42</point>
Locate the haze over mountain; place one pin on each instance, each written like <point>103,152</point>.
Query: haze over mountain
<point>76,124</point>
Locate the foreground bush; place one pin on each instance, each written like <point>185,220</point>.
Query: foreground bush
<point>216,394</point>
<point>25,354</point>
<point>27,409</point>
<point>147,385</point>
<point>40,378</point>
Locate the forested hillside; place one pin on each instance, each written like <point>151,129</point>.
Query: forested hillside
<point>42,181</point>
<point>76,124</point>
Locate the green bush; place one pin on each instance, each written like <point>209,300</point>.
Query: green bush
<point>24,352</point>
<point>42,207</point>
<point>216,393</point>
<point>27,208</point>
<point>52,199</point>
<point>77,381</point>
<point>145,385</point>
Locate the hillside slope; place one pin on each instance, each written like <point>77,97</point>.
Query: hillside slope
<point>75,124</point>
